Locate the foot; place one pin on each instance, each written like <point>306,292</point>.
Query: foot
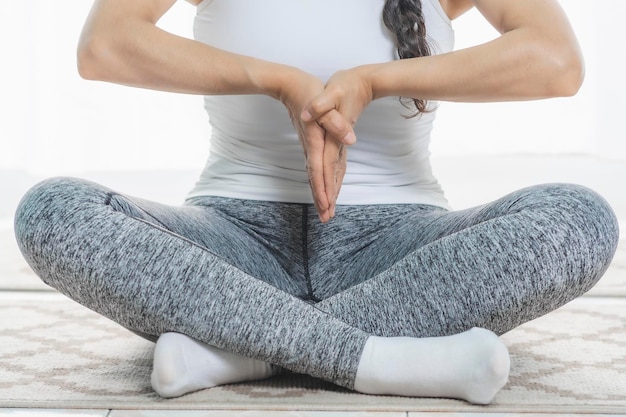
<point>472,366</point>
<point>183,365</point>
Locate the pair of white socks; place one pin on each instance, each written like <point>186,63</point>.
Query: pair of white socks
<point>473,366</point>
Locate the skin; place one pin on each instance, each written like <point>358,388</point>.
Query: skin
<point>537,56</point>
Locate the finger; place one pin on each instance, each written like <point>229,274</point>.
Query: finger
<point>338,127</point>
<point>331,154</point>
<point>341,172</point>
<point>322,104</point>
<point>334,169</point>
<point>315,165</point>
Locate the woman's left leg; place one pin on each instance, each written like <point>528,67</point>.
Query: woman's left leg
<point>452,271</point>
<point>495,266</point>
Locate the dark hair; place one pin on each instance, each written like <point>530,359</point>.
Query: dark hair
<point>405,19</point>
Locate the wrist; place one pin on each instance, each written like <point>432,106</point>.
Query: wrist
<point>391,79</point>
<point>375,76</point>
<point>271,79</point>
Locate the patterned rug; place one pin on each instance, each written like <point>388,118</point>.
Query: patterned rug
<point>57,354</point>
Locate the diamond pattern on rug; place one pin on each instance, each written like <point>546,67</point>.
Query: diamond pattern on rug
<point>578,352</point>
<point>61,349</point>
<point>55,353</point>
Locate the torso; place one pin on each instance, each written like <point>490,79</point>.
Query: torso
<point>255,152</point>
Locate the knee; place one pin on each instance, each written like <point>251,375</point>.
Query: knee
<point>600,225</point>
<point>585,225</point>
<point>35,210</point>
<point>41,206</point>
<point>45,214</point>
<point>571,204</point>
<point>587,211</point>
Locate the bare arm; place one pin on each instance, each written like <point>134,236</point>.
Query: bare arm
<point>537,56</point>
<point>121,43</point>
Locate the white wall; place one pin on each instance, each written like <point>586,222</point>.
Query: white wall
<point>52,122</point>
<point>590,122</point>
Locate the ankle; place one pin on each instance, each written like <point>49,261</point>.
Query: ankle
<point>169,371</point>
<point>473,366</point>
<point>183,365</point>
<point>491,371</point>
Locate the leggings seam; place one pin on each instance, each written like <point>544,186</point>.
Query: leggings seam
<point>184,239</point>
<point>109,200</point>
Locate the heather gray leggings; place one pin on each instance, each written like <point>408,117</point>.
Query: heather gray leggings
<point>268,281</point>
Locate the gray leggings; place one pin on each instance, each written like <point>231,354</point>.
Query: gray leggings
<point>269,281</point>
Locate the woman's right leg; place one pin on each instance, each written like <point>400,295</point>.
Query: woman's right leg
<point>153,281</point>
<point>149,279</point>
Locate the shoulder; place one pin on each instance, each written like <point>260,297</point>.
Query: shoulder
<point>455,8</point>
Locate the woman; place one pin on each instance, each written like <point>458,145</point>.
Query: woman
<point>381,289</point>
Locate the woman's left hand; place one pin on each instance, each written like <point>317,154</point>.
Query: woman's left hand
<point>349,93</point>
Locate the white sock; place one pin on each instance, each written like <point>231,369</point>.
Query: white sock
<point>472,366</point>
<point>183,365</point>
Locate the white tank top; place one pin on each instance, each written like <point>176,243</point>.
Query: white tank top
<point>255,151</point>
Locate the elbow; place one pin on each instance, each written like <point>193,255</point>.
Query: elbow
<point>568,74</point>
<point>93,59</point>
<point>88,60</point>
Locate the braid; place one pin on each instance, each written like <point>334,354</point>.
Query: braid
<point>405,19</point>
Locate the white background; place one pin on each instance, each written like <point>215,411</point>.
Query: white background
<point>52,122</point>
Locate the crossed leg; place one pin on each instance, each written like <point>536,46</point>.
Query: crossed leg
<point>154,281</point>
<point>495,266</point>
<point>83,240</point>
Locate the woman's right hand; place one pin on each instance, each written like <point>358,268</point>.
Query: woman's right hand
<point>323,140</point>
